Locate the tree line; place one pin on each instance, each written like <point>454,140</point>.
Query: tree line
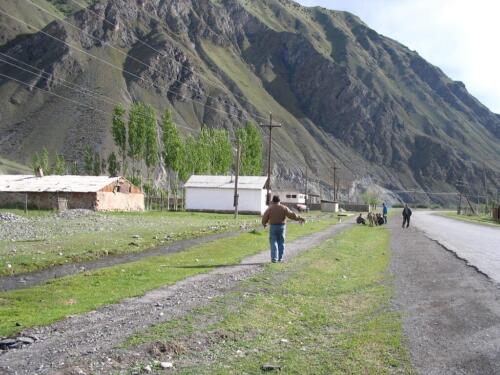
<point>143,142</point>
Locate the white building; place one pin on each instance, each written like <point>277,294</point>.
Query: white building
<point>216,194</point>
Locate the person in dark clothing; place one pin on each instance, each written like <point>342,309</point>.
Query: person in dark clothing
<point>384,212</point>
<point>406,216</point>
<point>380,220</point>
<point>360,220</point>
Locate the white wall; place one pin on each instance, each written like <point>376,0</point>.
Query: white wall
<point>212,199</point>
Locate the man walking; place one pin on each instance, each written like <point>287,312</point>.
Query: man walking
<point>384,212</point>
<point>406,216</point>
<point>276,215</point>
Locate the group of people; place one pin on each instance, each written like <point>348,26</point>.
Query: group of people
<point>276,215</point>
<point>374,219</point>
<point>381,219</point>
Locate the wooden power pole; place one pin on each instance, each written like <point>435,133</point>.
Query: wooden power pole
<point>307,187</point>
<point>236,195</point>
<point>335,182</point>
<point>270,126</point>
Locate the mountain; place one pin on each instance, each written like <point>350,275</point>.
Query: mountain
<point>343,92</point>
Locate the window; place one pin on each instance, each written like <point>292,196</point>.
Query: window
<point>294,196</point>
<point>288,196</point>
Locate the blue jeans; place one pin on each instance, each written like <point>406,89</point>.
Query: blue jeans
<point>277,240</point>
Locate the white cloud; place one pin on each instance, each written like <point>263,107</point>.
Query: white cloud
<point>459,36</point>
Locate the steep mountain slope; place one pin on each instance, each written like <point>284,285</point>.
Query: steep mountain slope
<point>343,92</point>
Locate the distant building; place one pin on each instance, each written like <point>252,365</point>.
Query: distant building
<point>216,194</point>
<point>99,193</point>
<point>293,199</point>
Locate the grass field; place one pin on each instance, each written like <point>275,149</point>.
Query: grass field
<point>487,220</point>
<point>56,299</point>
<point>45,240</point>
<point>326,312</point>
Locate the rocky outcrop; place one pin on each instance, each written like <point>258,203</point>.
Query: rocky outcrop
<point>346,93</point>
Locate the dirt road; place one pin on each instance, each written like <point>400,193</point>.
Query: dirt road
<point>451,311</point>
<point>477,244</point>
<point>87,341</point>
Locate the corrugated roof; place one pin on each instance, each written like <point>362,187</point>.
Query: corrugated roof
<point>226,182</point>
<point>52,184</point>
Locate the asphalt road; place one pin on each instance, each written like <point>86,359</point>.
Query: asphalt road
<point>478,245</point>
<point>451,312</point>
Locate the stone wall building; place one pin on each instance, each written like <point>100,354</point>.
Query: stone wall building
<point>99,193</point>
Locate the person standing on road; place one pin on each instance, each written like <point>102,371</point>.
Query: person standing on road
<point>384,212</point>
<point>406,216</point>
<point>276,215</point>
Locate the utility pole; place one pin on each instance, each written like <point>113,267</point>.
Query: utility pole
<point>334,182</point>
<point>270,126</point>
<point>307,187</point>
<point>236,195</point>
<point>485,190</point>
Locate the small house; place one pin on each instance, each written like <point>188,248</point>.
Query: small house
<point>216,194</point>
<point>99,193</point>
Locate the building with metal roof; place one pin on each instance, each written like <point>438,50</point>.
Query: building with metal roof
<point>100,193</point>
<point>216,194</point>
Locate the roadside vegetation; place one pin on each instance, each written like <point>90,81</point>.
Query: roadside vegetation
<point>479,219</point>
<point>328,311</point>
<point>44,239</point>
<point>86,291</point>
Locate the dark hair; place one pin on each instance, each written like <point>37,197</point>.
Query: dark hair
<point>276,199</point>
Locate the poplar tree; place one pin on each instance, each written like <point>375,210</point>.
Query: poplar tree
<point>88,161</point>
<point>221,155</point>
<point>136,134</point>
<point>119,131</point>
<point>151,157</point>
<point>44,161</point>
<point>172,143</point>
<point>204,149</point>
<point>113,165</point>
<point>74,169</point>
<point>97,164</point>
<point>251,150</point>
<point>59,165</point>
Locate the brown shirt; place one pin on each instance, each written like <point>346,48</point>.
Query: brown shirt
<point>277,214</point>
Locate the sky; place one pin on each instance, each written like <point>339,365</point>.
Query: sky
<point>462,37</point>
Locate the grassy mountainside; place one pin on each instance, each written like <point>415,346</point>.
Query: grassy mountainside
<point>343,92</point>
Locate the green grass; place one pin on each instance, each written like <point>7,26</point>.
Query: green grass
<point>54,242</point>
<point>332,305</point>
<point>486,220</point>
<point>56,299</point>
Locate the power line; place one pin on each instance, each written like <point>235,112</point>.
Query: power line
<point>52,93</point>
<point>98,110</point>
<point>124,53</point>
<point>48,75</point>
<point>214,83</point>
<point>125,71</point>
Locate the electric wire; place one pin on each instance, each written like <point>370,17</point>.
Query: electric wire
<point>214,83</point>
<point>123,70</point>
<point>108,44</point>
<point>48,75</point>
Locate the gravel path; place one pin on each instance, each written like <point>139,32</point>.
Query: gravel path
<point>26,280</point>
<point>85,342</point>
<point>451,311</point>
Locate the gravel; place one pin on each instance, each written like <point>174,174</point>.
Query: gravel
<point>88,342</point>
<point>40,228</point>
<point>11,218</point>
<point>451,311</point>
